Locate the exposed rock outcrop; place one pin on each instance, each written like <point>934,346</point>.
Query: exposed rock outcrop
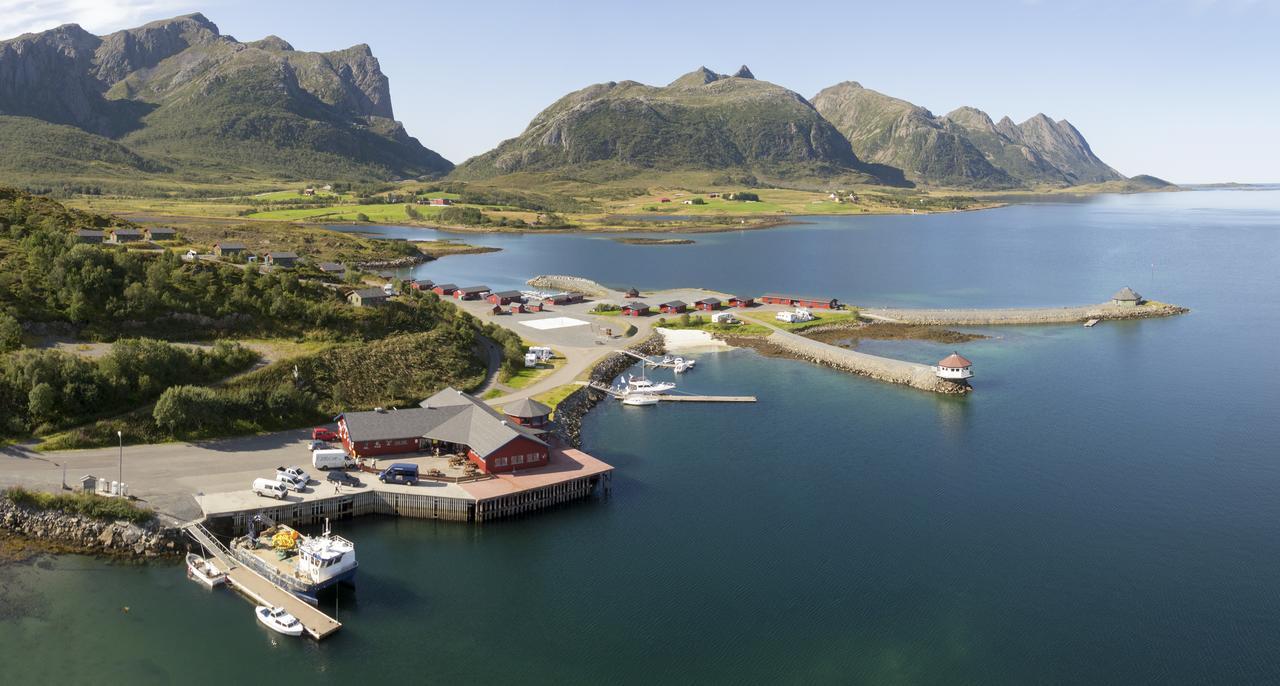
<point>62,532</point>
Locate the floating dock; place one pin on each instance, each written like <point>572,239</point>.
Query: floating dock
<point>261,590</point>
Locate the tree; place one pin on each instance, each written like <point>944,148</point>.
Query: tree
<point>10,333</point>
<point>362,217</point>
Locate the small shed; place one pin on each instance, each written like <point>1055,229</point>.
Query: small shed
<point>635,309</point>
<point>228,249</point>
<point>673,307</point>
<point>517,308</point>
<point>631,293</point>
<point>161,233</point>
<point>1126,297</point>
<point>708,304</point>
<point>440,202</point>
<point>368,297</point>
<point>88,484</point>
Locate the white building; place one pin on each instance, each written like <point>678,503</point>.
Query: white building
<point>954,367</point>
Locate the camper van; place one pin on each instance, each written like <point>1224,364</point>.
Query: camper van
<point>331,458</point>
<point>270,488</point>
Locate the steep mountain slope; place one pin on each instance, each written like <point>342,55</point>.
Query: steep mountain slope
<point>182,96</point>
<point>700,121</point>
<point>895,132</point>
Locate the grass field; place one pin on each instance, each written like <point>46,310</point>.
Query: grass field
<point>528,375</point>
<point>380,212</point>
<point>819,319</point>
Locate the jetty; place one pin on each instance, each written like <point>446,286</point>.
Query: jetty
<point>259,588</point>
<point>1021,315</point>
<point>922,376</point>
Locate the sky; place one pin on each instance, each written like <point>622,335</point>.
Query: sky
<point>1188,90</point>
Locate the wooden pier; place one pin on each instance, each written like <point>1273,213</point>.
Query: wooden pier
<point>261,590</point>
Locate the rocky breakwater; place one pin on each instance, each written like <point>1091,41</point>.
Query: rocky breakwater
<point>1022,315</point>
<point>59,531</point>
<point>571,410</point>
<point>572,284</point>
<point>912,374</point>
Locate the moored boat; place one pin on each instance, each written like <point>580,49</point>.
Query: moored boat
<point>203,571</point>
<point>278,620</point>
<point>640,399</point>
<point>644,385</point>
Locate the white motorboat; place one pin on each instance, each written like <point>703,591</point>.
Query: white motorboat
<point>644,385</point>
<point>203,571</point>
<point>639,399</point>
<point>279,621</point>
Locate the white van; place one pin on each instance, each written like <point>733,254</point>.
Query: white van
<point>270,488</point>
<point>331,458</point>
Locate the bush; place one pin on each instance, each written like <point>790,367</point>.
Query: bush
<point>87,504</point>
<point>10,333</point>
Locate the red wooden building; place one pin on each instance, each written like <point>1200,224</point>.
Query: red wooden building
<point>741,301</point>
<point>421,285</point>
<point>452,421</point>
<point>470,292</point>
<point>505,297</point>
<point>443,289</point>
<point>798,301</point>
<point>635,310</point>
<point>673,307</point>
<point>708,304</point>
<point>517,308</point>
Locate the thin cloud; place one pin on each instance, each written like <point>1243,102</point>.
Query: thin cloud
<point>98,16</point>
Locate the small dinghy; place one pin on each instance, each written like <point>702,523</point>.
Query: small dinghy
<point>279,621</point>
<point>203,571</point>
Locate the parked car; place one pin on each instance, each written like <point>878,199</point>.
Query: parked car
<point>317,445</point>
<point>270,488</point>
<point>293,483</point>
<point>295,472</point>
<point>331,458</point>
<point>400,473</point>
<point>343,478</point>
<point>322,434</point>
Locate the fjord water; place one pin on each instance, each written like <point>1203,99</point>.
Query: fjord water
<point>1104,508</point>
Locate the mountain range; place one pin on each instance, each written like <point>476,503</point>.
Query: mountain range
<point>179,102</point>
<point>176,97</point>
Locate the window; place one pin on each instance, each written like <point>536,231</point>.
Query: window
<point>500,462</point>
<point>518,459</point>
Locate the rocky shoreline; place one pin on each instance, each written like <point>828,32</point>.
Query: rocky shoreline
<point>572,284</point>
<point>60,532</point>
<point>571,410</point>
<point>1021,315</point>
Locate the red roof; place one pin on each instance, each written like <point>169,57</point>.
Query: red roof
<point>954,361</point>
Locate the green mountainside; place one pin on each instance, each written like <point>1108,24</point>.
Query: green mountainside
<point>963,148</point>
<point>700,121</point>
<point>176,99</point>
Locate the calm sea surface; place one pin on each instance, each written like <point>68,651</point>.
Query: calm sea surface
<point>1105,508</point>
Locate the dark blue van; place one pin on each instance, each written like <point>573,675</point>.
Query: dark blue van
<point>400,473</point>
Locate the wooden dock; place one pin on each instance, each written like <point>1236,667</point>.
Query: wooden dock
<point>1091,323</point>
<point>708,398</point>
<point>260,589</point>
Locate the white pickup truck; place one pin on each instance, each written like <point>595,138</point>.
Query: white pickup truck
<point>295,477</point>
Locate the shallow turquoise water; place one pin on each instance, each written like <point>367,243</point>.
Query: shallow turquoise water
<point>1102,509</point>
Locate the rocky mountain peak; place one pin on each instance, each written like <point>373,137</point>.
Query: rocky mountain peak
<point>972,118</point>
<point>272,43</point>
<point>744,73</point>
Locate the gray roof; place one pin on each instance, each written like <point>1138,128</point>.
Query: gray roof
<point>710,301</point>
<point>231,245</point>
<point>526,409</point>
<point>1126,293</point>
<point>510,294</point>
<point>90,232</point>
<point>370,293</point>
<point>127,232</point>
<point>161,229</point>
<point>331,267</point>
<point>446,287</point>
<point>675,303</point>
<point>449,415</point>
<point>797,297</point>
<point>474,289</point>
<point>283,255</point>
<point>637,306</point>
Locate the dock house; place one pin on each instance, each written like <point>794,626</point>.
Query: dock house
<point>451,420</point>
<point>635,309</point>
<point>954,367</point>
<point>741,301</point>
<point>228,249</point>
<point>284,260</point>
<point>125,235</point>
<point>505,297</point>
<point>470,292</point>
<point>1126,297</point>
<point>90,236</point>
<point>673,307</point>
<point>160,233</point>
<point>443,289</point>
<point>800,301</point>
<point>368,297</point>
<point>708,304</point>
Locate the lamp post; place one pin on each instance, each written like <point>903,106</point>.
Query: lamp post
<point>120,435</point>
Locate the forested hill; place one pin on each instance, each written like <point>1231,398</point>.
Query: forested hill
<point>176,99</point>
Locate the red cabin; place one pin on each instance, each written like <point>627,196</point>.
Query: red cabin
<point>517,308</point>
<point>470,292</point>
<point>635,310</point>
<point>673,307</point>
<point>444,289</point>
<point>799,301</point>
<point>708,304</point>
<point>505,297</point>
<point>741,301</point>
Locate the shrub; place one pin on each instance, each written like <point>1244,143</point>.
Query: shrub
<point>10,333</point>
<point>87,504</point>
